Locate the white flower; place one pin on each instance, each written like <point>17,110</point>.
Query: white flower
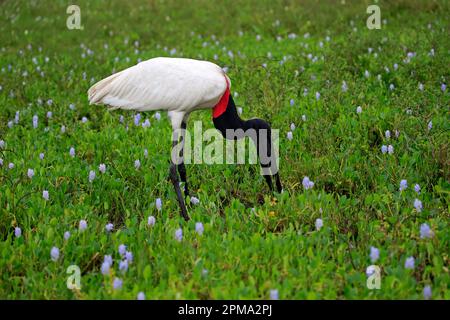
<point>319,224</point>
<point>358,109</point>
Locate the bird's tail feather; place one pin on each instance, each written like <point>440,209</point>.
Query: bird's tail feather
<point>99,90</point>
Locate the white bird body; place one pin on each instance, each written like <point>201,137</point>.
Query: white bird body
<point>174,84</point>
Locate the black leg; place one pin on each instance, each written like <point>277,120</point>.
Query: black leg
<point>278,182</point>
<point>181,167</point>
<point>269,181</point>
<point>176,185</point>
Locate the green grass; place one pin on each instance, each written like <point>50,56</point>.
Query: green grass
<point>246,253</point>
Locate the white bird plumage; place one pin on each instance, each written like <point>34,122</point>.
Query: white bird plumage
<point>177,85</point>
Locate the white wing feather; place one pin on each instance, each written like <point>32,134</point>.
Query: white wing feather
<point>172,84</point>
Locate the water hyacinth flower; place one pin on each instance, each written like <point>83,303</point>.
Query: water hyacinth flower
<point>443,87</point>
<point>137,164</point>
<point>102,168</point>
<point>317,95</point>
<point>11,166</point>
<point>179,234</point>
<point>409,263</point>
<point>430,125</point>
<point>121,119</point>
<point>30,173</point>
<point>358,109</point>
<point>319,224</point>
<point>427,292</point>
<point>344,86</point>
<point>2,144</point>
<point>10,124</point>
<point>17,232</point>
<point>105,268</point>
<point>292,102</point>
<point>66,235</point>
<point>303,117</point>
<point>122,249</point>
<point>108,259</point>
<point>41,156</point>
<point>289,136</point>
<point>292,127</point>
<point>157,116</point>
<point>117,284</point>
<point>1,162</point>
<point>199,228</point>
<point>421,86</point>
<point>151,221</point>
<point>123,266</point>
<point>146,123</point>
<point>403,185</point>
<point>390,149</point>
<point>366,74</point>
<point>384,149</point>
<point>72,152</point>
<point>417,188</point>
<point>195,200</point>
<point>63,129</point>
<point>91,175</point>
<point>307,184</point>
<point>84,120</point>
<point>273,294</point>
<point>17,117</point>
<point>49,114</point>
<point>35,121</point>
<point>82,225</point>
<point>109,227</point>
<point>374,254</point>
<point>387,134</point>
<point>425,231</point>
<point>54,254</point>
<point>137,119</point>
<point>145,153</point>
<point>129,256</point>
<point>158,204</point>
<point>418,205</point>
<point>140,296</point>
<point>45,195</point>
<point>370,270</point>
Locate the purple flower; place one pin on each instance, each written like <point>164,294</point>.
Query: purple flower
<point>122,249</point>
<point>418,205</point>
<point>374,254</point>
<point>319,224</point>
<point>291,102</point>
<point>2,144</point>
<point>30,173</point>
<point>292,127</point>
<point>72,152</point>
<point>45,195</point>
<point>84,120</point>
<point>359,110</point>
<point>17,117</point>
<point>344,86</point>
<point>63,129</point>
<point>409,263</point>
<point>54,254</point>
<point>390,149</point>
<point>387,134</point>
<point>158,204</point>
<point>370,270</point>
<point>151,221</point>
<point>157,116</point>
<point>137,119</point>
<point>273,294</point>
<point>82,225</point>
<point>425,231</point>
<point>443,87</point>
<point>179,234</point>
<point>427,292</point>
<point>307,184</point>
<point>121,119</point>
<point>123,266</point>
<point>141,296</point>
<point>117,284</point>
<point>11,166</point>
<point>195,200</point>
<point>105,268</point>
<point>129,256</point>
<point>289,135</point>
<point>430,125</point>
<point>102,168</point>
<point>41,156</point>
<point>17,232</point>
<point>317,95</point>
<point>145,153</point>
<point>109,227</point>
<point>146,124</point>
<point>199,228</point>
<point>137,164</point>
<point>1,162</point>
<point>384,149</point>
<point>403,185</point>
<point>417,188</point>
<point>66,235</point>
<point>49,115</point>
<point>35,121</point>
<point>108,259</point>
<point>91,175</point>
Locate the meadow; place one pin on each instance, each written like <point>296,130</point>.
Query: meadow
<point>364,114</point>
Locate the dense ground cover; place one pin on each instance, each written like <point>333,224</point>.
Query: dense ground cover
<point>369,107</point>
